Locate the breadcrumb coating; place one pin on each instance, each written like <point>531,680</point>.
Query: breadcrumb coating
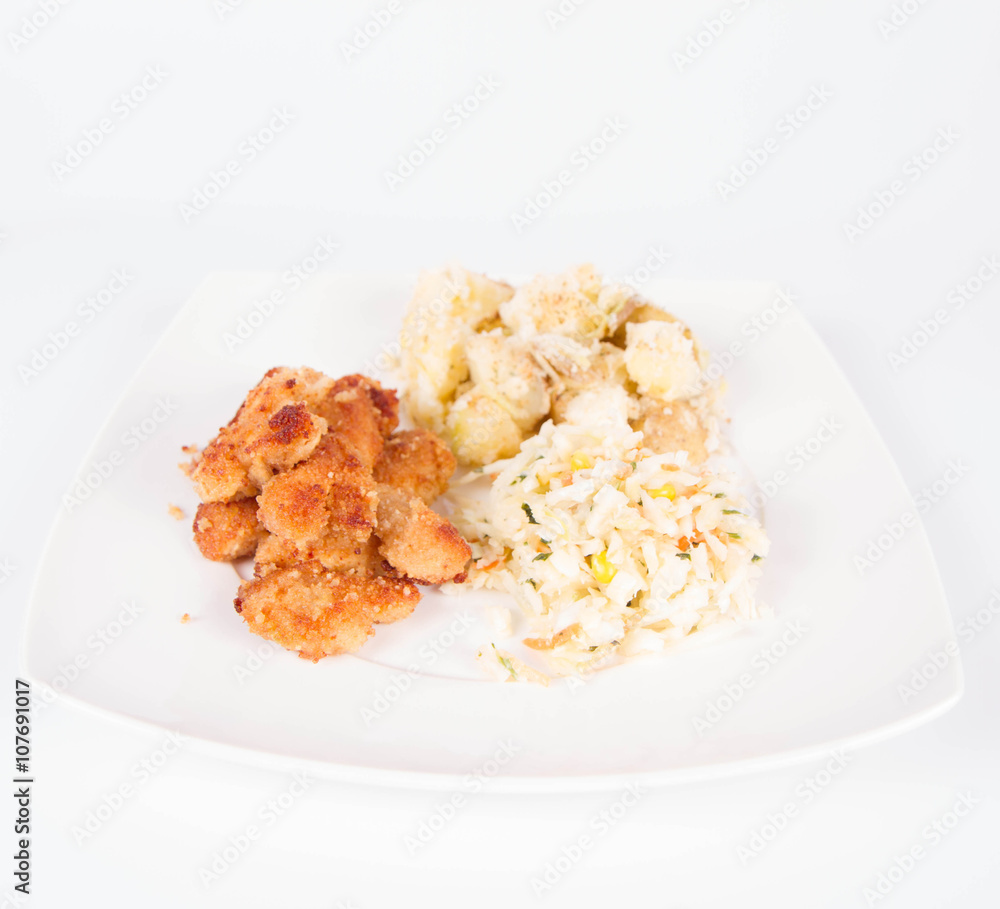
<point>224,531</point>
<point>295,479</point>
<point>332,552</point>
<point>274,429</point>
<point>332,488</point>
<point>419,542</point>
<point>417,462</point>
<point>317,612</point>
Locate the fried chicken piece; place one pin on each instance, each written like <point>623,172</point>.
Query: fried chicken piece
<point>310,447</point>
<point>673,427</point>
<point>417,541</point>
<point>331,551</point>
<point>342,407</point>
<point>318,612</point>
<point>332,489</point>
<point>417,462</point>
<point>225,531</point>
<point>275,428</point>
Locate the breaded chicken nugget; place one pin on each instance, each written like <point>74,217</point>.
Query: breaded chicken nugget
<point>274,429</point>
<point>331,489</point>
<point>225,531</point>
<point>417,541</point>
<point>321,613</point>
<point>417,462</point>
<point>341,407</point>
<point>331,551</point>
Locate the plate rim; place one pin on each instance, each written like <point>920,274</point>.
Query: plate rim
<point>512,784</point>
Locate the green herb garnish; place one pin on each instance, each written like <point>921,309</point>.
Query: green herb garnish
<point>527,510</point>
<point>541,557</point>
<point>504,661</point>
<point>684,555</point>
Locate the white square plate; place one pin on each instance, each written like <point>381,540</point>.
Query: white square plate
<point>411,708</point>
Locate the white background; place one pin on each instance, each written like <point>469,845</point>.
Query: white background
<point>686,126</point>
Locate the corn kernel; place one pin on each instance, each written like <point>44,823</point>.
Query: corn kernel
<point>663,492</point>
<point>603,570</point>
<point>581,461</point>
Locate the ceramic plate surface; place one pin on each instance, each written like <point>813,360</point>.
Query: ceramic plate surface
<point>412,708</point>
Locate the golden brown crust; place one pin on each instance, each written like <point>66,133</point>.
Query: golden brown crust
<point>417,462</point>
<point>332,552</point>
<point>331,489</point>
<point>225,531</point>
<point>291,478</point>
<point>417,541</point>
<point>383,405</point>
<point>275,427</point>
<point>321,613</point>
